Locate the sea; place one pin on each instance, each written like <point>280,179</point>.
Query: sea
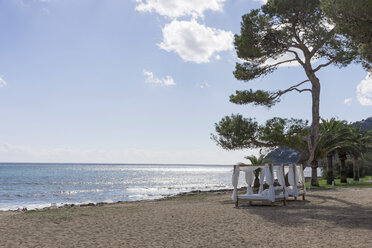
<point>38,185</point>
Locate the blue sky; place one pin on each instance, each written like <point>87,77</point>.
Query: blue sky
<point>126,81</point>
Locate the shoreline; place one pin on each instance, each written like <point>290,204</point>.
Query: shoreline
<point>200,219</point>
<point>163,198</point>
<point>45,187</point>
<point>97,204</point>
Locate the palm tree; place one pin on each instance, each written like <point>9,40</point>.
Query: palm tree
<point>334,135</point>
<point>338,137</point>
<point>356,144</point>
<point>346,146</point>
<point>342,155</point>
<point>363,141</point>
<point>258,160</point>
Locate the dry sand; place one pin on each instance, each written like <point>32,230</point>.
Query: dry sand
<point>334,218</point>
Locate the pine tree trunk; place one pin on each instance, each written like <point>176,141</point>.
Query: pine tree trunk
<point>315,114</point>
<point>343,168</point>
<point>356,169</point>
<point>330,177</point>
<point>314,134</point>
<point>314,174</point>
<point>303,158</point>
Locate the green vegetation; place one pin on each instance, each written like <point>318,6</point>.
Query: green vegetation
<point>355,184</point>
<point>301,30</point>
<point>258,160</point>
<point>353,19</point>
<point>237,132</point>
<point>338,138</point>
<point>365,125</point>
<point>298,30</point>
<point>364,164</point>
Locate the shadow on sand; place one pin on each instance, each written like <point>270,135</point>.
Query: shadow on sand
<point>325,208</point>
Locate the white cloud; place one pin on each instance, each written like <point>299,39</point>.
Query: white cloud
<point>347,101</point>
<point>179,8</point>
<point>204,85</point>
<point>284,57</point>
<point>364,91</point>
<point>261,1</point>
<point>192,41</point>
<point>287,56</point>
<point>2,82</point>
<point>195,42</point>
<point>150,78</point>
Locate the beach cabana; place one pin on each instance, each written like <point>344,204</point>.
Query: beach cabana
<point>296,180</point>
<point>268,174</point>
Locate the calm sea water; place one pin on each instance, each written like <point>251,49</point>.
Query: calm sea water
<point>39,185</point>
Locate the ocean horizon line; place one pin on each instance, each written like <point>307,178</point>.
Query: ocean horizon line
<point>97,163</point>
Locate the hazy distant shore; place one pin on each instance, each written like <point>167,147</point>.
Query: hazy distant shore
<point>332,218</point>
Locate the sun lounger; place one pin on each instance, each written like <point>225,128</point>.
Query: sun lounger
<point>267,176</point>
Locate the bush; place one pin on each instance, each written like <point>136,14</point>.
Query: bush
<point>365,167</point>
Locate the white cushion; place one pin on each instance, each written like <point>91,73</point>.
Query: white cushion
<point>253,197</point>
<point>290,192</point>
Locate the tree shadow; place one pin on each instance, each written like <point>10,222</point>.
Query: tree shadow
<point>298,213</point>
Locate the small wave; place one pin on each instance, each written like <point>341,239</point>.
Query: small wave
<point>29,206</point>
<point>74,192</point>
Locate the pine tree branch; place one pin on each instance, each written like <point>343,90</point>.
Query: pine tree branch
<point>282,62</point>
<point>324,65</point>
<point>297,57</point>
<point>294,87</point>
<point>264,98</point>
<point>300,91</point>
<point>320,44</point>
<point>303,47</point>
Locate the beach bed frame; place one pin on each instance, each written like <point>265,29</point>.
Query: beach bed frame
<point>296,180</point>
<point>270,195</point>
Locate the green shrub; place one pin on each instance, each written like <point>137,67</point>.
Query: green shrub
<point>365,166</point>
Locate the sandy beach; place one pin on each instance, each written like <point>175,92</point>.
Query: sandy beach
<point>333,218</point>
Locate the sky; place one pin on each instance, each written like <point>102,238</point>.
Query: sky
<point>139,81</point>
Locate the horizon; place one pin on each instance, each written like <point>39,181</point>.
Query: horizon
<point>139,81</point>
<point>67,163</point>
